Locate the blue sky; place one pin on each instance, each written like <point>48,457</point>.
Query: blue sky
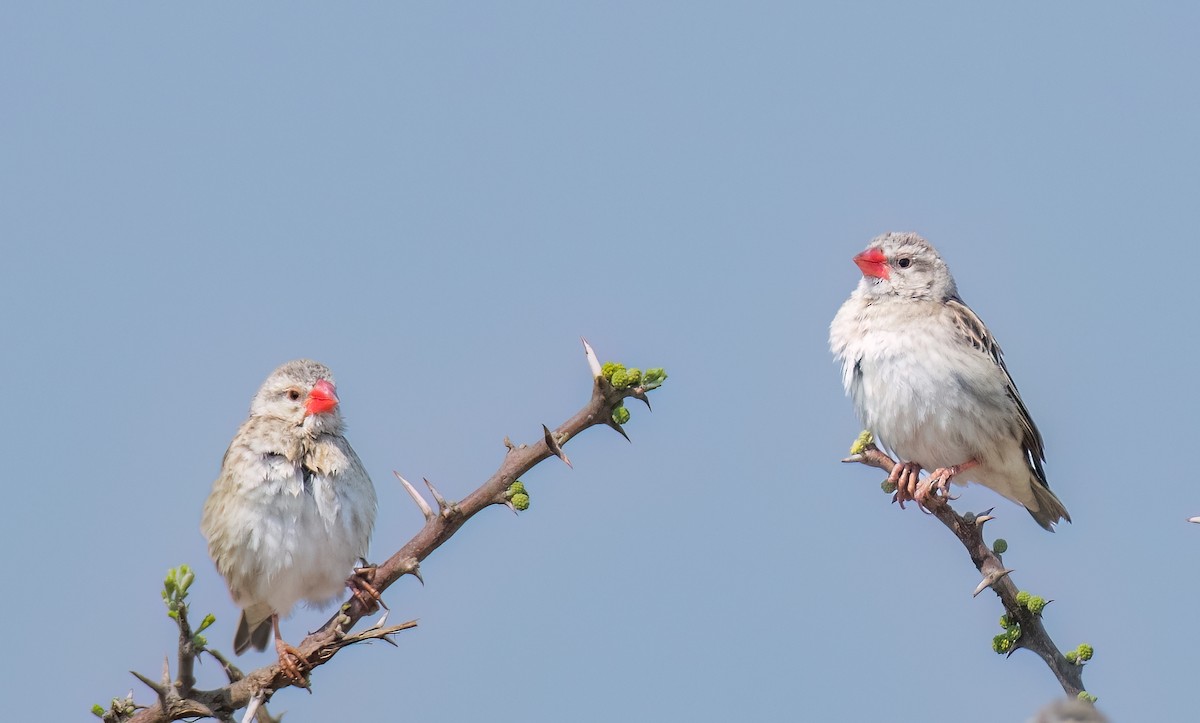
<point>437,200</point>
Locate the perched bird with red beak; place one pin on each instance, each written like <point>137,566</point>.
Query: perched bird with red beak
<point>293,508</point>
<point>928,380</point>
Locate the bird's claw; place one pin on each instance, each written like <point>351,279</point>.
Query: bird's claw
<point>291,663</point>
<point>906,476</point>
<point>935,490</point>
<point>361,587</point>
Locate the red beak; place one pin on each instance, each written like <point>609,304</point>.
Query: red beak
<point>323,398</point>
<point>873,263</point>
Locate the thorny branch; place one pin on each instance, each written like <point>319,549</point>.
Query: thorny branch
<point>969,531</point>
<point>179,699</point>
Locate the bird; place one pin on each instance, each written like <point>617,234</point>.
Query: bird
<point>292,509</point>
<point>929,381</point>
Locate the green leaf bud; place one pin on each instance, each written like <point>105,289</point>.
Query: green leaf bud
<point>611,368</point>
<point>1001,644</point>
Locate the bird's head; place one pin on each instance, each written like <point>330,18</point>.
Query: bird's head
<point>905,265</point>
<point>302,394</point>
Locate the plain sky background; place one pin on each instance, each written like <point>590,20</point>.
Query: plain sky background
<point>438,199</point>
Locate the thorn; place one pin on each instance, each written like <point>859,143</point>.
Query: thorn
<point>416,572</point>
<point>412,491</point>
<point>982,519</point>
<point>255,703</point>
<point>509,443</point>
<point>854,458</point>
<point>509,505</point>
<point>383,619</point>
<point>990,579</point>
<point>593,362</point>
<point>555,448</point>
<point>620,430</point>
<point>1194,519</point>
<point>641,395</point>
<point>443,505</point>
<point>149,684</point>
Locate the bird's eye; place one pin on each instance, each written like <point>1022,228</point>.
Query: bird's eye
<point>293,395</point>
<point>904,262</point>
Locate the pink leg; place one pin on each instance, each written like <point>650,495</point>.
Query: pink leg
<point>360,584</point>
<point>938,484</point>
<point>905,475</point>
<point>290,660</point>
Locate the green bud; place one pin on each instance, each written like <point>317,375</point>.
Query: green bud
<point>516,488</point>
<point>620,414</point>
<point>1071,656</point>
<point>887,486</point>
<point>1085,651</point>
<point>1001,644</point>
<point>188,578</point>
<point>1014,633</point>
<point>1023,598</point>
<point>206,622</point>
<point>1000,546</point>
<point>1005,622</point>
<point>653,378</point>
<point>98,710</point>
<point>861,442</point>
<point>520,501</point>
<point>611,368</point>
<point>199,641</point>
<point>1087,697</point>
<point>1035,604</point>
<point>620,379</point>
<point>634,375</point>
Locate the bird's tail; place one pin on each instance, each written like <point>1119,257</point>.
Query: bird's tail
<point>1050,509</point>
<point>254,629</point>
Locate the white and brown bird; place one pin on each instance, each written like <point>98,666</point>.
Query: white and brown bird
<point>293,508</point>
<point>928,380</point>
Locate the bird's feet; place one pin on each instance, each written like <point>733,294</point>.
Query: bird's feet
<point>291,663</point>
<point>362,588</point>
<point>906,476</point>
<point>936,488</point>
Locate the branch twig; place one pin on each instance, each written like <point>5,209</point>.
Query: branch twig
<point>969,531</point>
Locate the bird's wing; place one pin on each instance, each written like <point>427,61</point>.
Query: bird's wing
<point>973,331</point>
